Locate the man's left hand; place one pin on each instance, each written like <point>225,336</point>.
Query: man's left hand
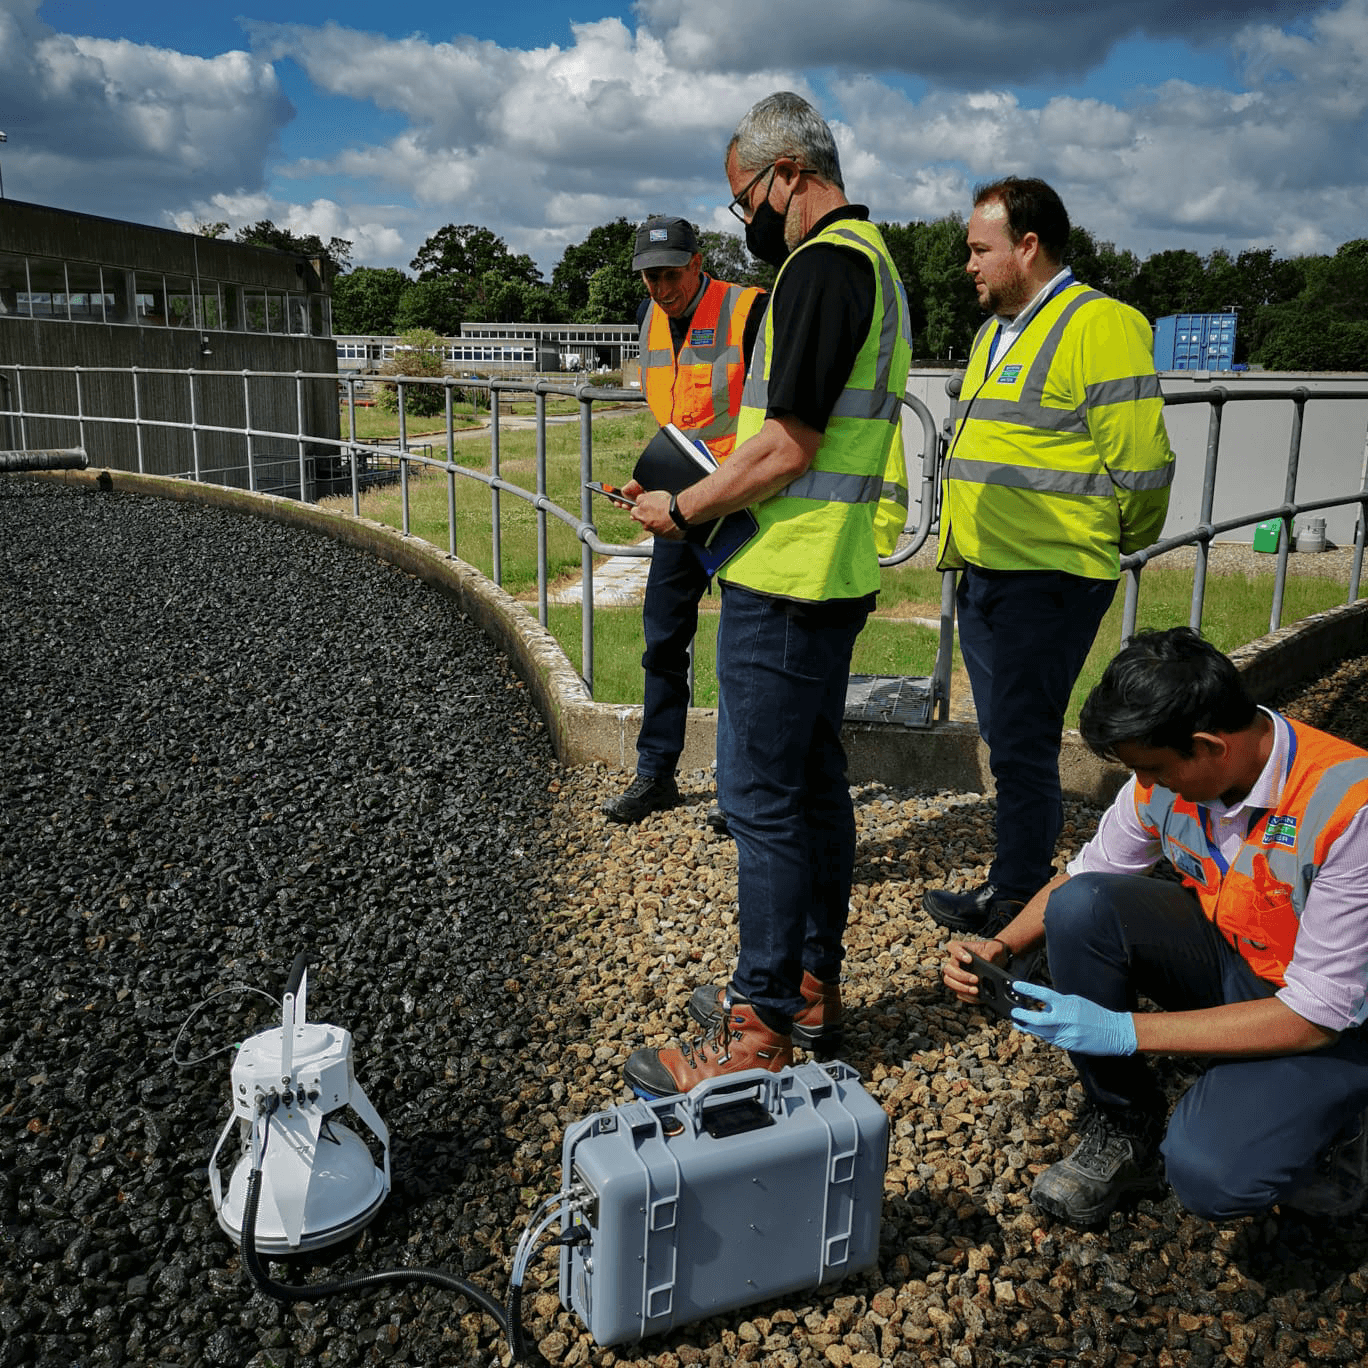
<point>652,511</point>
<point>1075,1023</point>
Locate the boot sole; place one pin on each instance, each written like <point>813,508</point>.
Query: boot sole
<point>1097,1215</point>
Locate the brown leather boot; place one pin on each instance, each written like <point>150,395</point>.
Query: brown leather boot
<point>817,1027</point>
<point>738,1040</point>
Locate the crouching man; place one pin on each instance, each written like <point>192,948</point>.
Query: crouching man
<point>1257,962</point>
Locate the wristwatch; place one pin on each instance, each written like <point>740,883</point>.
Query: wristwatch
<point>679,520</point>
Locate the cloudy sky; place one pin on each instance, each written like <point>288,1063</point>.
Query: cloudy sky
<point>1163,123</point>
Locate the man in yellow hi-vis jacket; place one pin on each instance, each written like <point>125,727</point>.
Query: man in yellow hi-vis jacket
<point>1059,464</point>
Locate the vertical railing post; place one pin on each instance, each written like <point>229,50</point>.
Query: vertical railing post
<point>247,428</point>
<point>355,455</point>
<point>495,525</point>
<point>80,409</point>
<point>137,421</point>
<point>194,423</point>
<point>541,512</point>
<point>1199,571</point>
<point>451,469</point>
<point>586,417</point>
<point>1299,396</point>
<point>299,435</point>
<point>1131,607</point>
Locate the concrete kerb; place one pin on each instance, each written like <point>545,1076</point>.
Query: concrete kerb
<point>948,756</point>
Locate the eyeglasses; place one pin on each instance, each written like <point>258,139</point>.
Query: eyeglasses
<point>740,206</point>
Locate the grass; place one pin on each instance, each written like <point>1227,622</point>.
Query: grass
<point>373,424</point>
<point>1236,605</point>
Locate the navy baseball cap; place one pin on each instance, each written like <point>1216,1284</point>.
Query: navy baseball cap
<point>664,242</point>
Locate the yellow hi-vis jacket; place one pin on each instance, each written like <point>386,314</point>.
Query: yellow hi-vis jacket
<point>1256,902</point>
<point>816,537</point>
<point>1059,458</point>
<point>699,391</point>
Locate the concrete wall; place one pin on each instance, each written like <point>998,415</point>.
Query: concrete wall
<point>1255,436</point>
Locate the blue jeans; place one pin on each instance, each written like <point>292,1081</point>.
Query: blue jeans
<point>782,672</point>
<point>674,586</point>
<point>1248,1132</point>
<point>1024,635</point>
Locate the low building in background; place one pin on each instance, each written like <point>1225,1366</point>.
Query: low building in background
<point>84,294</point>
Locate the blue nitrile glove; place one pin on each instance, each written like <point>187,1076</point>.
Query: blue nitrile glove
<point>1075,1023</point>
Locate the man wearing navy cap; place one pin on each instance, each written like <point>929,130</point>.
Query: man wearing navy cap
<point>696,339</point>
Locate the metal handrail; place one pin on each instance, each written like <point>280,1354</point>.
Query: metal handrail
<point>582,523</point>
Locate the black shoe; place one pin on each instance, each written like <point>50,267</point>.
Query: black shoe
<point>716,820</point>
<point>647,794</point>
<point>1112,1159</point>
<point>1340,1181</point>
<point>982,912</point>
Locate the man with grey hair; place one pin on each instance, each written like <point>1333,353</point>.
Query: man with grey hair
<point>817,424</point>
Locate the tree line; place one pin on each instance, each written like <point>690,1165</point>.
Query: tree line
<point>1295,313</point>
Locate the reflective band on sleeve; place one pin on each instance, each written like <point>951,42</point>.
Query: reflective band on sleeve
<point>829,486</point>
<point>1128,390</point>
<point>1143,479</point>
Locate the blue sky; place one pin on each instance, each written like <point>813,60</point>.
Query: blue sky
<point>1162,123</point>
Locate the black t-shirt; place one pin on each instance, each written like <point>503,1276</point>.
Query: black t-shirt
<point>822,309</point>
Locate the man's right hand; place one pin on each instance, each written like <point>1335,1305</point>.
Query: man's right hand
<point>956,974</point>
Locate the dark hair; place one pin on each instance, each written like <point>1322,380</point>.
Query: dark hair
<point>1160,690</point>
<point>1032,207</point>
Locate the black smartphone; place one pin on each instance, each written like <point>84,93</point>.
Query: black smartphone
<point>995,990</point>
<point>611,492</point>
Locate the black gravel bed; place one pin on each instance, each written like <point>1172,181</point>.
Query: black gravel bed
<point>222,742</point>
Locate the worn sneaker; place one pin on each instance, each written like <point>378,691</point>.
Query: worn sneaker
<point>982,912</point>
<point>1111,1160</point>
<point>818,1027</point>
<point>1340,1182</point>
<point>648,793</point>
<point>738,1040</point>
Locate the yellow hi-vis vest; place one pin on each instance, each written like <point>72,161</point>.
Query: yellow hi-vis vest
<point>1059,458</point>
<point>699,391</point>
<point>816,535</point>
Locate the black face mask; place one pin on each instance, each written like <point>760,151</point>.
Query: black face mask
<point>765,236</point>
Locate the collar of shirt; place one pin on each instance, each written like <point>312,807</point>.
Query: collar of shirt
<point>1008,333</point>
<point>1230,825</point>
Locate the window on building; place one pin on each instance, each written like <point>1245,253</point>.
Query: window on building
<point>211,308</point>
<point>87,302</point>
<point>180,302</point>
<point>14,287</point>
<point>47,288</point>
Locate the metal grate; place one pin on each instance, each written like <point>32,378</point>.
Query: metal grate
<point>904,700</point>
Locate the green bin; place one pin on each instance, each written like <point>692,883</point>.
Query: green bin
<point>1268,534</point>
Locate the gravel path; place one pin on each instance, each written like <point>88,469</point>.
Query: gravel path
<point>198,778</point>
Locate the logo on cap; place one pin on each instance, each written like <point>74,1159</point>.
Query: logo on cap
<point>660,234</point>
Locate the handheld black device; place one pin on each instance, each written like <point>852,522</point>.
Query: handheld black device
<point>995,991</point>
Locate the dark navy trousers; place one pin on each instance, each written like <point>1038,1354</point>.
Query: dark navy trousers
<point>1024,635</point>
<point>674,586</point>
<point>1248,1131</point>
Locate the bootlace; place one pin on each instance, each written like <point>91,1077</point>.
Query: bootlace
<point>718,1035</point>
<point>1104,1142</point>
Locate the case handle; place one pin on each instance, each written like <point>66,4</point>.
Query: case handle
<point>764,1086</point>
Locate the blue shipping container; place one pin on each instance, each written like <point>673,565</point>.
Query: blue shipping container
<point>1194,342</point>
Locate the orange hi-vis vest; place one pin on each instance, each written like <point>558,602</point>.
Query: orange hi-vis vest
<point>699,391</point>
<point>1256,903</point>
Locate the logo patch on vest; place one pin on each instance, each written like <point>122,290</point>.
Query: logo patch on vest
<point>702,337</point>
<point>1009,375</point>
<point>1185,862</point>
<point>1281,830</point>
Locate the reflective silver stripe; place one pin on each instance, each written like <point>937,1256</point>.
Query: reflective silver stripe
<point>1024,414</point>
<point>1128,390</point>
<point>894,317</point>
<point>655,359</point>
<point>829,486</point>
<point>1029,477</point>
<point>895,494</point>
<point>862,403</point>
<point>1143,479</point>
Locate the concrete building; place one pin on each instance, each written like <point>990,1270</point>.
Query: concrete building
<point>92,298</point>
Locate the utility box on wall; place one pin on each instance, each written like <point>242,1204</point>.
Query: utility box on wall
<point>1195,342</point>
